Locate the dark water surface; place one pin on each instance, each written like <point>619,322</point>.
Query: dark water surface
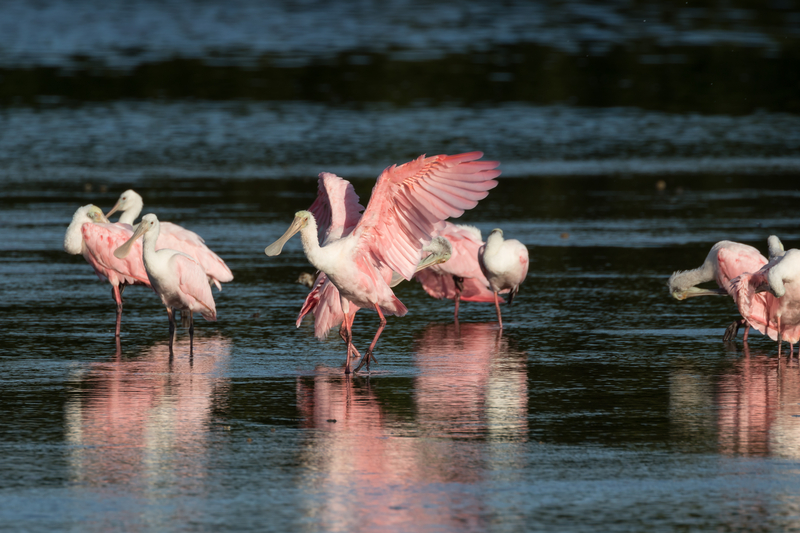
<point>628,149</point>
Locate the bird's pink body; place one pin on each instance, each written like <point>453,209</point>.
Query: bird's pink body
<point>779,318</point>
<point>438,280</point>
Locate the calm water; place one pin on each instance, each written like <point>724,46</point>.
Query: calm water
<point>628,149</point>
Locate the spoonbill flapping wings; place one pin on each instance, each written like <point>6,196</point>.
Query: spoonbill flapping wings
<point>408,204</point>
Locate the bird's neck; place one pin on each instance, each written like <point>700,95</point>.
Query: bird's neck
<point>149,247</point>
<point>493,245</point>
<point>691,278</point>
<point>73,238</point>
<point>314,252</point>
<point>131,213</point>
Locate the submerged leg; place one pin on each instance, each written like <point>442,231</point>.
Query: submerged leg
<point>459,283</point>
<point>116,293</point>
<point>171,316</point>
<point>343,335</point>
<point>497,306</point>
<point>190,315</point>
<point>368,355</point>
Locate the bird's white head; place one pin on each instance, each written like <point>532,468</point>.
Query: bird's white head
<point>775,247</point>
<point>128,201</point>
<point>149,223</point>
<point>301,220</point>
<point>73,239</point>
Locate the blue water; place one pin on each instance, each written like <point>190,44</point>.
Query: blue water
<point>632,136</point>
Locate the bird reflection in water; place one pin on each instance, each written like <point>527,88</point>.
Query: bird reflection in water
<point>142,424</point>
<point>365,473</point>
<point>758,407</point>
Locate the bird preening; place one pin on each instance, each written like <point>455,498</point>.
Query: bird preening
<point>766,291</point>
<point>360,253</point>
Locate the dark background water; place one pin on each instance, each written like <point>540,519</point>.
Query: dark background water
<point>632,136</point>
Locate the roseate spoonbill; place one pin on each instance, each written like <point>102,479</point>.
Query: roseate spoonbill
<point>407,205</point>
<point>779,283</point>
<point>175,237</point>
<point>725,261</point>
<point>460,278</point>
<point>89,234</point>
<point>505,265</point>
<point>338,210</point>
<point>177,277</point>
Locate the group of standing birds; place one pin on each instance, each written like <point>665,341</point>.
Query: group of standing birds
<point>360,253</point>
<point>766,291</point>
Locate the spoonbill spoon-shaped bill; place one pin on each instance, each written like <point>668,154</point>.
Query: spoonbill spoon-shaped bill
<point>408,204</point>
<point>460,278</point>
<point>725,261</point>
<point>89,234</point>
<point>176,277</point>
<point>770,298</point>
<point>175,237</point>
<point>505,265</point>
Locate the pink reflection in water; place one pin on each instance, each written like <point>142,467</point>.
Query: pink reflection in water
<point>758,409</point>
<point>143,423</point>
<point>376,468</point>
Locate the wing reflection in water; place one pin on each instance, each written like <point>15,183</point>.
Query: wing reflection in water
<point>141,425</point>
<point>758,407</point>
<point>471,382</point>
<point>364,473</point>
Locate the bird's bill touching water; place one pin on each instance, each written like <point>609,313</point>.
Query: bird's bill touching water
<point>694,291</point>
<point>123,251</point>
<point>300,221</point>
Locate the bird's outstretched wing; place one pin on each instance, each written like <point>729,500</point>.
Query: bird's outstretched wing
<point>410,201</point>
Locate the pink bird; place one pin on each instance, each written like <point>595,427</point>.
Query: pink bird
<point>726,261</point>
<point>176,277</point>
<point>460,277</point>
<point>407,206</point>
<point>505,265</point>
<point>175,237</point>
<point>89,234</point>
<point>770,298</point>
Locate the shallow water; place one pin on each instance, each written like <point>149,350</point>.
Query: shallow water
<point>603,404</point>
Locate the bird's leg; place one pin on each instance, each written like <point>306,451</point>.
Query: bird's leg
<point>497,306</point>
<point>746,331</point>
<point>780,336</point>
<point>116,293</point>
<point>343,335</point>
<point>368,355</point>
<point>349,340</point>
<point>171,316</point>
<point>191,330</point>
<point>459,283</point>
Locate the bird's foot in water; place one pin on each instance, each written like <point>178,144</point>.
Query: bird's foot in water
<point>365,361</point>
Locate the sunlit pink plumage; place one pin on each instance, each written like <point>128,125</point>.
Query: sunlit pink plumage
<point>770,298</point>
<point>96,241</point>
<point>725,261</point>
<point>178,279</point>
<point>460,277</point>
<point>408,204</point>
<point>175,237</point>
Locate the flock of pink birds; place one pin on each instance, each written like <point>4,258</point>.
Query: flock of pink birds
<point>764,290</point>
<point>359,253</point>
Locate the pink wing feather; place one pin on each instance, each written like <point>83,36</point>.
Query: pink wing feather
<point>324,302</point>
<point>336,209</point>
<point>175,237</point>
<point>409,202</point>
<point>194,287</point>
<point>100,242</point>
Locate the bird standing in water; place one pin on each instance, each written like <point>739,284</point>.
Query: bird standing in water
<point>178,278</point>
<point>175,237</point>
<point>505,265</point>
<point>407,206</point>
<point>89,234</point>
